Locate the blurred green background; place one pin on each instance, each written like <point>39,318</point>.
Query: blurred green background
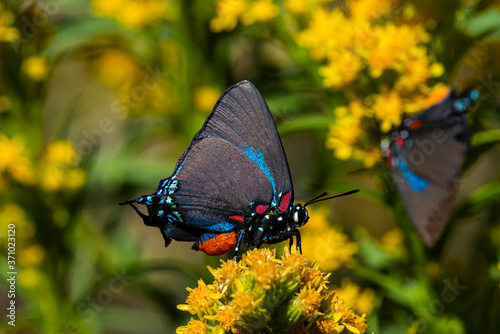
<point>98,99</point>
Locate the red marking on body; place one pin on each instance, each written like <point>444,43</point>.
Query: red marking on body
<point>415,125</point>
<point>220,244</point>
<point>400,142</point>
<point>285,202</point>
<point>261,209</point>
<point>239,219</point>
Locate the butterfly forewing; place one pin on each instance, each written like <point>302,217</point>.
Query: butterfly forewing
<point>241,117</point>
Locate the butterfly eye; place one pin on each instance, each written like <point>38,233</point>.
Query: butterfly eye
<point>300,215</point>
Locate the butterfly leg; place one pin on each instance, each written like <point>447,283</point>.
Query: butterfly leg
<point>238,245</point>
<point>299,243</point>
<point>145,218</point>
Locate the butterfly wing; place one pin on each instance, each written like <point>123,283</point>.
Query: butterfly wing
<point>426,165</point>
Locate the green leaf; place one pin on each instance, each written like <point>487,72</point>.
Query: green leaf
<point>485,22</point>
<point>486,137</point>
<point>305,123</point>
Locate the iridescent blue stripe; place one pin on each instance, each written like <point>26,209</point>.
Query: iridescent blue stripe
<point>416,182</point>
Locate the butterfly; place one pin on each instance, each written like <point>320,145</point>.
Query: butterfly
<point>231,188</point>
<point>426,155</point>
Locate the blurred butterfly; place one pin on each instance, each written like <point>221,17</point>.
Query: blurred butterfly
<point>425,156</point>
<point>231,188</point>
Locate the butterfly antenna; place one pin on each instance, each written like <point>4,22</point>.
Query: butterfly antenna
<point>320,197</point>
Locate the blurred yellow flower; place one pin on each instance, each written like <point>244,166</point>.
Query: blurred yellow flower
<point>392,242</point>
<point>15,160</point>
<point>289,292</point>
<point>36,68</point>
<point>362,300</point>
<point>133,14</point>
<point>318,35</point>
<point>12,213</point>
<point>346,131</point>
<point>368,10</point>
<point>325,244</point>
<point>388,109</point>
<point>31,255</point>
<point>7,33</point>
<point>230,12</point>
<point>341,70</point>
<point>116,69</point>
<point>260,11</point>
<point>205,98</point>
<point>57,167</point>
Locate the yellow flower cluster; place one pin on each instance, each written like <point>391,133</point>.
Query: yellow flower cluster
<point>57,169</point>
<point>54,171</point>
<point>264,293</point>
<point>356,44</point>
<point>31,254</point>
<point>15,160</point>
<point>133,14</point>
<point>7,33</point>
<point>325,244</point>
<point>230,12</point>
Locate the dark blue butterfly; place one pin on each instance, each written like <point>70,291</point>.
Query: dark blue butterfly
<point>426,155</point>
<point>231,188</point>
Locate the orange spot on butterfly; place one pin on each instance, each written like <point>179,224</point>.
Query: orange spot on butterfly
<point>220,244</point>
<point>415,125</point>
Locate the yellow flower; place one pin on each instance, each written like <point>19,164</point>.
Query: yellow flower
<point>194,327</point>
<point>392,243</point>
<point>346,131</point>
<point>32,255</point>
<point>296,293</point>
<point>228,14</point>
<point>133,14</point>
<point>12,213</point>
<point>388,109</point>
<point>362,301</point>
<point>116,69</point>
<point>369,10</point>
<point>260,11</point>
<point>318,35</point>
<point>36,68</point>
<point>15,161</point>
<point>341,70</point>
<point>57,169</point>
<point>7,33</point>
<point>325,244</point>
<point>205,98</point>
